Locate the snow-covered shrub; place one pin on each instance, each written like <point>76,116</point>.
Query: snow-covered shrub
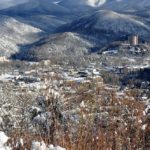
<point>3,140</point>
<point>38,145</point>
<point>42,146</point>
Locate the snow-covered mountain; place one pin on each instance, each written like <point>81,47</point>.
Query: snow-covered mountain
<point>126,5</point>
<point>123,5</point>
<point>32,7</point>
<point>54,13</point>
<point>44,14</point>
<point>14,33</point>
<point>91,3</point>
<point>109,25</point>
<point>95,3</point>
<point>107,20</point>
<point>61,44</point>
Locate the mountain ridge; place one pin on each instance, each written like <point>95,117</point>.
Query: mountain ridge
<point>104,20</point>
<point>109,22</point>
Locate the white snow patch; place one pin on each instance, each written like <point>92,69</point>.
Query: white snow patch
<point>38,146</point>
<point>144,127</point>
<point>42,146</point>
<point>82,104</point>
<point>51,147</point>
<point>3,140</point>
<point>6,77</point>
<point>95,3</point>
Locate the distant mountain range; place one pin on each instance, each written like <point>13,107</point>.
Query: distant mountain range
<point>109,25</point>
<point>31,21</point>
<point>126,5</point>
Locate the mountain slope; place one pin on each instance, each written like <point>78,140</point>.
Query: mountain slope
<point>58,45</point>
<point>47,23</point>
<point>14,33</point>
<point>109,26</point>
<point>44,14</point>
<point>126,5</point>
<point>78,3</point>
<point>53,13</point>
<point>33,7</point>
<point>121,5</point>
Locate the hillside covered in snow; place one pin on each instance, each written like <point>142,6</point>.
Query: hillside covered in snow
<point>109,26</point>
<point>13,34</point>
<point>57,45</point>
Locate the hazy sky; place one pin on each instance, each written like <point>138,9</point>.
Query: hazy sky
<point>8,3</point>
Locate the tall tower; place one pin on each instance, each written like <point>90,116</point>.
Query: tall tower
<point>133,40</point>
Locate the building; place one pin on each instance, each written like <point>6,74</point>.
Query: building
<point>133,40</point>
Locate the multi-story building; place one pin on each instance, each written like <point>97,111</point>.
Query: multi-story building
<point>133,40</point>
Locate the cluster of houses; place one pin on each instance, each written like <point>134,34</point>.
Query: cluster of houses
<point>35,78</point>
